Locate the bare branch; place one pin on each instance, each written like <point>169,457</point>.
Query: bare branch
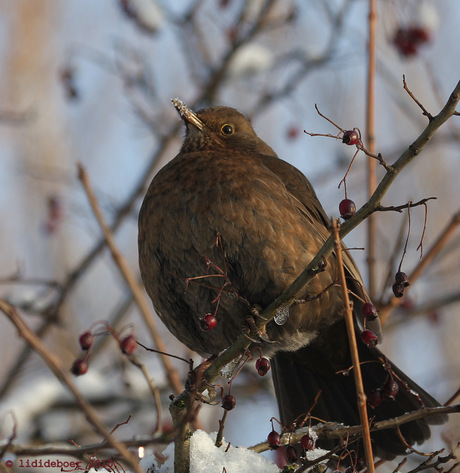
<point>54,364</point>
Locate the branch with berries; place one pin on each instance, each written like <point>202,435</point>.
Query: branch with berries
<point>289,295</point>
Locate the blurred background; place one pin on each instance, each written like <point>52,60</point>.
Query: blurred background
<point>91,82</point>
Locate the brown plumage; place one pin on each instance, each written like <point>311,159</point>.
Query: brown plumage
<point>227,204</point>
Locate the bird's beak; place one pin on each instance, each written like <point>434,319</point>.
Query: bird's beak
<point>187,115</point>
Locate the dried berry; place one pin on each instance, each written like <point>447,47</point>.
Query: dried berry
<point>347,209</point>
<point>290,453</point>
<point>128,344</point>
<point>208,322</point>
<point>370,311</point>
<point>274,440</point>
<point>402,279</point>
<point>228,402</point>
<point>263,366</point>
<point>375,398</point>
<point>369,338</point>
<point>79,367</point>
<point>86,340</point>
<point>391,389</point>
<point>398,290</point>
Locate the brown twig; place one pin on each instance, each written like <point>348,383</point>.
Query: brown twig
<point>400,208</point>
<point>407,236</point>
<point>349,319</point>
<point>220,432</point>
<point>400,465</point>
<point>54,364</point>
<point>412,96</point>
<point>436,465</point>
<point>370,141</point>
<point>332,430</point>
<point>153,389</point>
<point>422,238</point>
<point>437,246</point>
<point>131,281</point>
<point>410,447</point>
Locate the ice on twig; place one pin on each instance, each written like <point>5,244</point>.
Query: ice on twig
<point>282,314</point>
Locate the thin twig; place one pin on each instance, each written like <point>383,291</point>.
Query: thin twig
<point>437,246</point>
<point>171,373</point>
<point>422,238</point>
<point>370,141</point>
<point>412,96</point>
<point>407,236</point>
<point>400,208</point>
<point>332,430</point>
<point>349,319</point>
<point>153,389</point>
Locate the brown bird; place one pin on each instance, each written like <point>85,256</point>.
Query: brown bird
<point>226,226</point>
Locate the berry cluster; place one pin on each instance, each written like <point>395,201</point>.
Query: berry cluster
<point>408,39</point>
<point>389,391</point>
<point>307,442</point>
<point>370,313</point>
<point>80,366</point>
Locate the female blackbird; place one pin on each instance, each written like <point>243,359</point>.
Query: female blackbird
<point>227,226</point>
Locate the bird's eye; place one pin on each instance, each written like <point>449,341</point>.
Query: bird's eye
<point>227,129</point>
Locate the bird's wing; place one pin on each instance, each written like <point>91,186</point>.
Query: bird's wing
<point>304,196</point>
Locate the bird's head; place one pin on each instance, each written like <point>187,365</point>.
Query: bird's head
<point>219,128</point>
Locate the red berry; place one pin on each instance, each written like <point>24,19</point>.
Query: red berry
<point>208,322</point>
<point>228,402</point>
<point>274,440</point>
<point>350,137</point>
<point>375,398</point>
<point>290,453</point>
<point>404,43</point>
<point>86,340</point>
<point>307,442</point>
<point>263,366</point>
<point>347,209</point>
<point>391,389</point>
<point>407,40</point>
<point>419,34</point>
<point>370,311</point>
<point>292,132</point>
<point>369,338</point>
<point>79,367</point>
<point>128,344</point>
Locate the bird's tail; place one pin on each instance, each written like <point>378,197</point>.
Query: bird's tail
<point>300,376</point>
